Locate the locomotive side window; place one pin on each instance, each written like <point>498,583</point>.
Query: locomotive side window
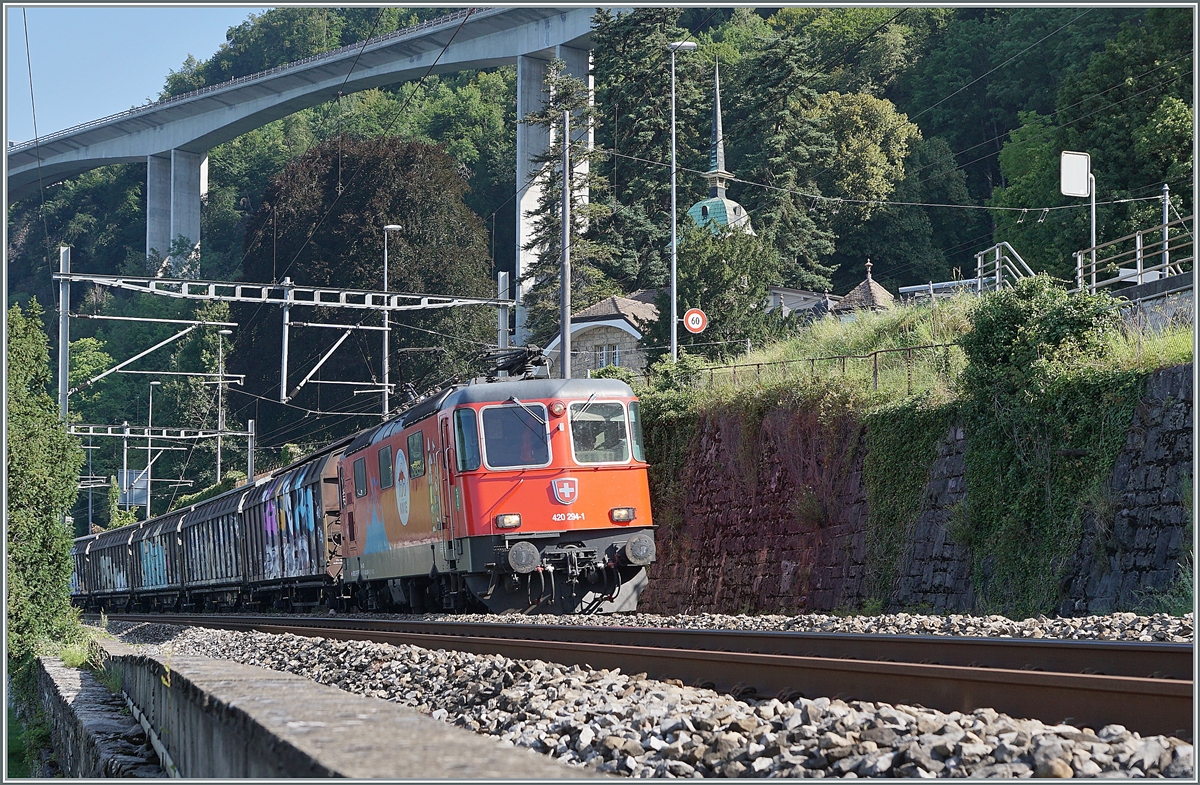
<point>416,455</point>
<point>514,437</point>
<point>635,428</point>
<point>598,433</point>
<point>360,477</point>
<point>466,439</point>
<point>385,467</point>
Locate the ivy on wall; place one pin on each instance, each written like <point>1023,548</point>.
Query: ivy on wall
<point>902,440</point>
<point>1045,420</point>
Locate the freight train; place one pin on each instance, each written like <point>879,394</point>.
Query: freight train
<point>500,494</point>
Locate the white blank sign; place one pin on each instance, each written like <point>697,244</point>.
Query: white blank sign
<point>1075,168</point>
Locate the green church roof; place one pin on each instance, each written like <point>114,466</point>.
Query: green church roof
<point>717,213</point>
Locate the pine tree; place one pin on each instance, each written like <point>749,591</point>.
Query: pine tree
<point>778,144</point>
<point>589,284</point>
<point>633,85</point>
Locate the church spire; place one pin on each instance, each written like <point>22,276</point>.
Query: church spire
<point>717,174</point>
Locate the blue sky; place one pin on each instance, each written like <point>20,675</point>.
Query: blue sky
<point>93,61</point>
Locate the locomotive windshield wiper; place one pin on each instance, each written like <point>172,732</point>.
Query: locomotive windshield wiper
<point>532,413</point>
<point>591,398</point>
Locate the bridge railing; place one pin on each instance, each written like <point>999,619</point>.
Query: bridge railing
<point>1145,255</point>
<point>330,55</point>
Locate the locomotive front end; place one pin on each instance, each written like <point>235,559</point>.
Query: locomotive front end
<point>561,495</point>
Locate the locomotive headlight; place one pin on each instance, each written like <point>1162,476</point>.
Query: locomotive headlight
<point>557,408</point>
<point>623,514</point>
<point>508,520</point>
<point>639,551</point>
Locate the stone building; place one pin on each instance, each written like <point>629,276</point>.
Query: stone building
<point>607,333</point>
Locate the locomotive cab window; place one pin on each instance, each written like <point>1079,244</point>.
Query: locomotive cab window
<point>385,467</point>
<point>635,429</point>
<point>516,436</point>
<point>599,433</point>
<point>360,477</point>
<point>416,455</point>
<point>466,440</point>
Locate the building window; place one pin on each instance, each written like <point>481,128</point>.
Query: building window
<point>600,356</point>
<point>614,357</point>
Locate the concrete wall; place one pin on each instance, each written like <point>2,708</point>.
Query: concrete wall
<point>773,522</point>
<point>223,719</point>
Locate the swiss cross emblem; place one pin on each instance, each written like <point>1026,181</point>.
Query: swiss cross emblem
<point>566,490</point>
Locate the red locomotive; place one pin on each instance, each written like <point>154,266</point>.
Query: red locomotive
<point>512,494</point>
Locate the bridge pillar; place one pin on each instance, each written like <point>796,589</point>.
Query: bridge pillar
<point>532,142</point>
<point>175,181</point>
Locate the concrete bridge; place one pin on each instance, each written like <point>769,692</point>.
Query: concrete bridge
<point>173,136</point>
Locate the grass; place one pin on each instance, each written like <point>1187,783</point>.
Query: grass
<point>817,352</point>
<point>18,767</point>
<point>830,349</point>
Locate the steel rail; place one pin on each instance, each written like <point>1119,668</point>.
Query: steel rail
<point>1150,705</point>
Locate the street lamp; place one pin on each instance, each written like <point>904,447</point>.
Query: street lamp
<point>386,330</point>
<point>685,46</point>
<point>221,393</point>
<point>149,444</point>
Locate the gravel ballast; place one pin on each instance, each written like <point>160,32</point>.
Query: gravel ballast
<point>635,726</point>
<point>1115,627</point>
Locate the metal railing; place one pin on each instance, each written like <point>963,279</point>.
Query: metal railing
<point>330,55</point>
<point>911,369</point>
<point>999,266</point>
<point>1169,246</point>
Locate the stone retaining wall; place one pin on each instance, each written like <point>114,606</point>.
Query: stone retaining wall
<point>936,572</point>
<point>1133,549</point>
<point>789,535</point>
<point>92,737</point>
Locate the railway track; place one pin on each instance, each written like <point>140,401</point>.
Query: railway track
<point>1146,687</point>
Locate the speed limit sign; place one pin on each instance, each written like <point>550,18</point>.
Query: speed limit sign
<point>694,320</point>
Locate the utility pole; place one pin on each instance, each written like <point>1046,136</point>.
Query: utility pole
<point>564,343</point>
<point>220,393</point>
<point>149,444</point>
<point>91,481</point>
<point>677,46</point>
<point>64,328</point>
<point>386,326</point>
<point>124,483</point>
<point>250,452</point>
<point>1166,253</point>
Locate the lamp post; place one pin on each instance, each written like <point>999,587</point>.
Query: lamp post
<point>149,444</point>
<point>386,329</point>
<point>677,46</point>
<point>220,393</point>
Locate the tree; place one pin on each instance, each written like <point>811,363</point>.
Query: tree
<point>910,244</point>
<point>565,93</point>
<point>726,274</point>
<point>633,92</point>
<point>779,143</point>
<point>1129,109</point>
<point>43,472</point>
<point>322,238</point>
<point>867,160</point>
